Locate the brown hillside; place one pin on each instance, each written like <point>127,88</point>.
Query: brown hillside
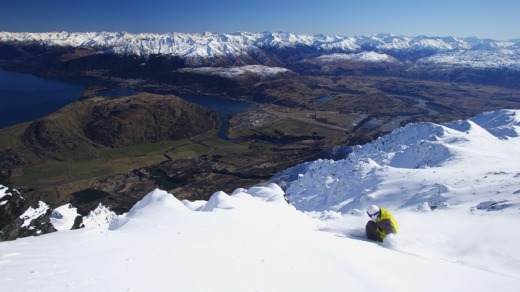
<point>85,125</point>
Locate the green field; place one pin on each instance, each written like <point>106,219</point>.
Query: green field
<point>110,161</point>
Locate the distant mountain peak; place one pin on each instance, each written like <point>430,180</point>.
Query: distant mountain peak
<point>192,46</point>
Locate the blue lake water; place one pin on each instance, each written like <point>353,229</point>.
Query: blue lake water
<point>321,98</point>
<point>25,97</point>
<point>114,92</point>
<point>226,107</point>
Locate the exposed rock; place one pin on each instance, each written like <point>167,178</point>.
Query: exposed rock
<point>13,224</point>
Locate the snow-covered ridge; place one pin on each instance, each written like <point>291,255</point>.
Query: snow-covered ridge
<point>419,166</point>
<point>499,58</point>
<point>443,50</point>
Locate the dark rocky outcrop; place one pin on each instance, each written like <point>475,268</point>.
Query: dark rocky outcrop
<point>12,206</point>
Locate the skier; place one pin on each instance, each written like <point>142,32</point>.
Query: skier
<point>381,224</point>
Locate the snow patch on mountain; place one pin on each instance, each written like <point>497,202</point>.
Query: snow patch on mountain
<point>99,218</point>
<point>151,206</point>
<point>503,124</point>
<point>33,213</point>
<point>4,192</point>
<point>501,58</point>
<point>63,217</point>
<point>234,72</point>
<point>368,57</point>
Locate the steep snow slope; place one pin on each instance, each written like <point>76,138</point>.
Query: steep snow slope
<point>249,241</point>
<point>453,188</point>
<point>458,165</point>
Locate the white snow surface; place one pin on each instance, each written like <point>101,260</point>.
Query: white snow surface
<point>99,218</point>
<point>33,213</point>
<point>252,240</point>
<point>62,218</point>
<point>237,71</point>
<point>495,59</point>
<point>409,167</point>
<point>444,51</point>
<point>366,57</point>
<point>4,192</point>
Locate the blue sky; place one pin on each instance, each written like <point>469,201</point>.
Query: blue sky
<point>497,19</point>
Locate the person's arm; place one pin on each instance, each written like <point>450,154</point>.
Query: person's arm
<point>385,227</point>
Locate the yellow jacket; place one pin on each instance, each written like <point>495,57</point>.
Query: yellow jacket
<point>386,224</point>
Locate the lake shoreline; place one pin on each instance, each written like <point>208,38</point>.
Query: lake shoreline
<point>21,97</point>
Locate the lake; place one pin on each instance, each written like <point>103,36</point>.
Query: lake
<point>25,97</point>
<point>224,106</point>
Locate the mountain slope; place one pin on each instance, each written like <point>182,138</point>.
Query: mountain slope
<point>81,127</point>
<point>453,188</point>
<point>456,165</point>
<point>251,240</point>
<point>251,48</point>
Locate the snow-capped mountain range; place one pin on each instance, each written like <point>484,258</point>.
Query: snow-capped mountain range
<point>422,50</point>
<point>454,189</point>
